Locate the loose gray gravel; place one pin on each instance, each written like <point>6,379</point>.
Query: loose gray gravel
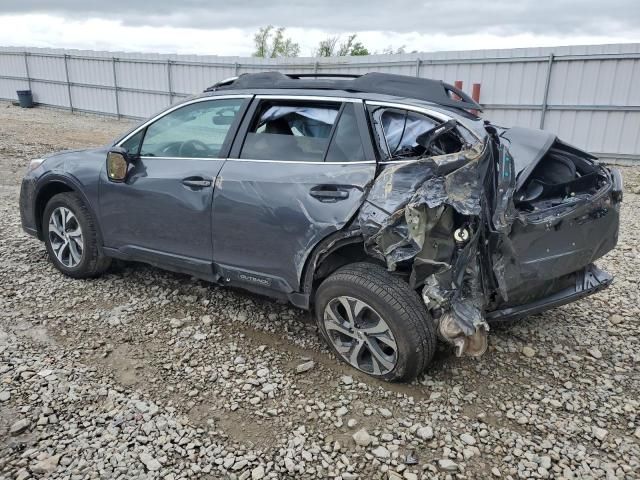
<point>147,374</point>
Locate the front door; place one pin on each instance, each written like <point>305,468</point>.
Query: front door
<point>298,172</point>
<point>162,212</point>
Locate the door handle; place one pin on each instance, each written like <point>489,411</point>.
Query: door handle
<point>329,193</point>
<point>197,182</point>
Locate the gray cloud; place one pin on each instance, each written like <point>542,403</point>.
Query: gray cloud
<point>451,17</point>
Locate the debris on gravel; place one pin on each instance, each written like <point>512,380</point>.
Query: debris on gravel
<point>305,367</point>
<point>143,373</point>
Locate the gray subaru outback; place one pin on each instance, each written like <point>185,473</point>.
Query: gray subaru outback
<point>383,203</point>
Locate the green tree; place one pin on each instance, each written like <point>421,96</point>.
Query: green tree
<point>345,47</point>
<point>288,48</point>
<point>359,49</point>
<point>261,41</point>
<point>270,42</point>
<point>329,47</point>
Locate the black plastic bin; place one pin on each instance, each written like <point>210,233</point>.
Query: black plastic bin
<point>25,98</point>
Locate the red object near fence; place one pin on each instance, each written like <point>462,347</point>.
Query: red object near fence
<point>475,94</point>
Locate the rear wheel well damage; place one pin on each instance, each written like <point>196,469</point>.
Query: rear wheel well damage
<point>426,216</point>
<point>335,251</point>
<point>343,255</point>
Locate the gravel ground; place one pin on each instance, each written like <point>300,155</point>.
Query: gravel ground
<point>147,374</point>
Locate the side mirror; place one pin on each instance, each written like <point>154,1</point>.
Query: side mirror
<point>117,165</point>
<point>224,116</point>
<point>223,119</point>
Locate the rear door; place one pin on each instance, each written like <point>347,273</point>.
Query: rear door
<point>297,173</point>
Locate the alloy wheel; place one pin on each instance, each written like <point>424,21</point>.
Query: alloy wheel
<point>65,237</point>
<point>360,335</point>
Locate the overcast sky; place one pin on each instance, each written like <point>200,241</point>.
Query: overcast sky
<point>227,27</point>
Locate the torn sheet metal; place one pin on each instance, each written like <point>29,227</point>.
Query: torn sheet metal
<point>479,231</point>
<point>558,217</point>
<point>425,216</point>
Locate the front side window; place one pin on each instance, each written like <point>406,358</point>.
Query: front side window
<point>290,131</point>
<point>197,130</point>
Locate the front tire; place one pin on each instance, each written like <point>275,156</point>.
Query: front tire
<point>70,237</point>
<point>373,321</point>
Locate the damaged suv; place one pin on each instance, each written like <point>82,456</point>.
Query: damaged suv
<point>381,202</point>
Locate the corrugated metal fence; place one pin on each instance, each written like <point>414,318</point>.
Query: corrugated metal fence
<point>588,95</point>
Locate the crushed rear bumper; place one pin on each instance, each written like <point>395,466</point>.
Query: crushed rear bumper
<point>587,281</point>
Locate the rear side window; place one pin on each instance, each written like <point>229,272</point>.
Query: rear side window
<point>346,145</point>
<point>397,132</point>
<point>290,131</point>
<point>401,129</point>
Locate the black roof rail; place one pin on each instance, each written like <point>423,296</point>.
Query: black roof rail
<point>434,91</point>
<point>221,83</point>
<point>293,76</point>
<point>323,75</point>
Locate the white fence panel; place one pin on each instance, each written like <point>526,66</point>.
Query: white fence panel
<point>141,105</point>
<point>585,94</point>
<point>9,86</point>
<point>93,99</point>
<point>91,71</point>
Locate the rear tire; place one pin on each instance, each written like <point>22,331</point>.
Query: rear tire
<point>377,300</point>
<point>70,237</point>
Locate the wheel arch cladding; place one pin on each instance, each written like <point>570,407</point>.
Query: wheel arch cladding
<point>52,186</point>
<point>45,193</point>
<point>324,251</point>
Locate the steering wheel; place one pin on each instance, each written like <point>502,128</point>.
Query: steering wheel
<point>171,149</point>
<point>194,147</point>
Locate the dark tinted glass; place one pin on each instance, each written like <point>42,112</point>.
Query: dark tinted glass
<point>346,145</point>
<point>132,145</point>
